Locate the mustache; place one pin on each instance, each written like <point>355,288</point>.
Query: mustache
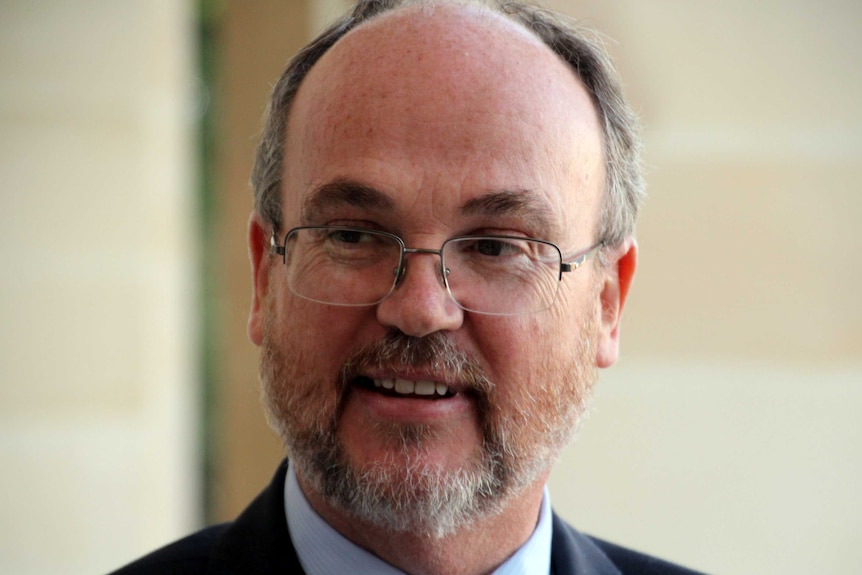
<point>434,352</point>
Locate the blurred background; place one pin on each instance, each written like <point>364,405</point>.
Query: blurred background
<point>728,437</point>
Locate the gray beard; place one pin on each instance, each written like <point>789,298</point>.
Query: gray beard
<point>412,497</point>
<point>404,493</point>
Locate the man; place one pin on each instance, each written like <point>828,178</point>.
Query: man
<point>441,248</point>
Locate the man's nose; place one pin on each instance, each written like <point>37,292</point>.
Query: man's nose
<point>420,304</point>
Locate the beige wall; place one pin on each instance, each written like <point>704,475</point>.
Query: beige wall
<point>97,282</point>
<point>727,437</point>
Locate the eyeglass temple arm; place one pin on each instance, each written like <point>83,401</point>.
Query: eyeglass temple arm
<point>274,248</point>
<point>579,260</point>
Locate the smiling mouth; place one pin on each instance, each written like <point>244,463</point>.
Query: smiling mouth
<point>405,388</point>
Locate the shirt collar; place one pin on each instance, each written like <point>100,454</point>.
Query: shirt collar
<point>322,550</point>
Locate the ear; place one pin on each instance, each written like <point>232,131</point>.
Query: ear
<point>615,288</point>
<point>259,254</point>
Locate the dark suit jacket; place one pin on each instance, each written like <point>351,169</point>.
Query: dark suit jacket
<point>258,543</point>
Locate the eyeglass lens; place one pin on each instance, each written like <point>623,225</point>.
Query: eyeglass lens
<point>344,266</point>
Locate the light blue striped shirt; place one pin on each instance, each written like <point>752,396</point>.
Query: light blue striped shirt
<point>324,551</point>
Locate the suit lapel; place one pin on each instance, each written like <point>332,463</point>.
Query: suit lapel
<point>258,542</point>
<point>573,553</point>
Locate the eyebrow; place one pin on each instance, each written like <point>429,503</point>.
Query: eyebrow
<point>340,193</point>
<point>522,204</point>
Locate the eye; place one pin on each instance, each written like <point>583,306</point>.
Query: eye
<point>357,247</point>
<point>489,252</point>
<point>349,236</point>
<point>497,247</point>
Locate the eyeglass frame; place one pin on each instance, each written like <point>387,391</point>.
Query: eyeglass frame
<point>565,267</point>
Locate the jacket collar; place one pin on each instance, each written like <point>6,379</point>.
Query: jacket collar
<point>259,543</point>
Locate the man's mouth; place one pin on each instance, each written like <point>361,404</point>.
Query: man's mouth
<point>398,387</point>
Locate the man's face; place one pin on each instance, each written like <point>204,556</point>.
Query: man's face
<point>430,126</point>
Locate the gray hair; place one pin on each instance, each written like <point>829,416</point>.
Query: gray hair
<point>625,187</point>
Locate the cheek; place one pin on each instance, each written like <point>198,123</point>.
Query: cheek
<point>517,348</point>
<point>305,347</point>
<point>518,352</point>
<point>537,361</point>
<point>317,337</point>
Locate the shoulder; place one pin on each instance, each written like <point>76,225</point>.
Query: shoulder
<point>633,562</point>
<point>257,542</point>
<point>187,556</point>
<point>575,552</point>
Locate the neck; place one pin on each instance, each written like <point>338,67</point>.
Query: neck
<point>475,549</point>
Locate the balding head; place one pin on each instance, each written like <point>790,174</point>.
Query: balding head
<point>623,187</point>
<point>456,94</point>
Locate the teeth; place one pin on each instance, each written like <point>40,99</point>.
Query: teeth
<point>408,387</point>
<point>424,388</point>
<point>404,386</point>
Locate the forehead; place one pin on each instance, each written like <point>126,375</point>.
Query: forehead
<point>437,105</point>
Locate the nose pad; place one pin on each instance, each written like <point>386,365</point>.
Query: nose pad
<point>416,307</point>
